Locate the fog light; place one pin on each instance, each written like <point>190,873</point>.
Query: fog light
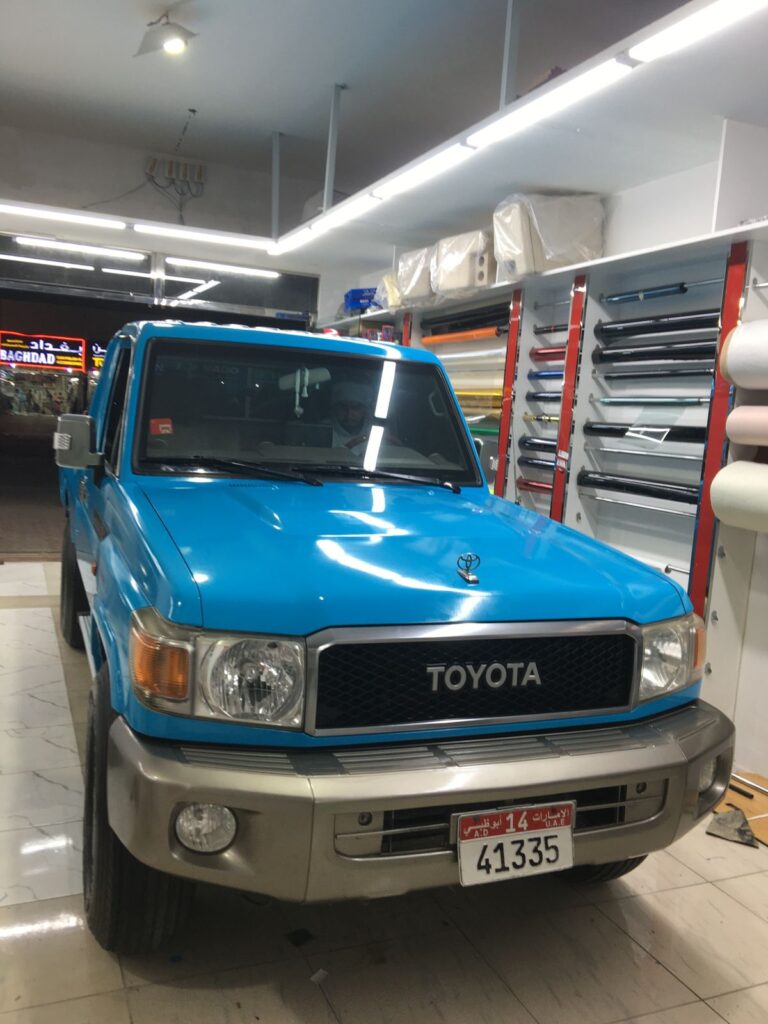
<point>205,828</point>
<point>707,775</point>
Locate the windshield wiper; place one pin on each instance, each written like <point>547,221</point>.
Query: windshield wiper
<point>258,469</point>
<point>342,469</point>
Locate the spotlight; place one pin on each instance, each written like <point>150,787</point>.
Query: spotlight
<point>164,34</point>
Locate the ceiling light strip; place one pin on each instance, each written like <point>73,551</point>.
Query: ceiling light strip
<point>45,263</point>
<point>206,286</point>
<point>702,24</point>
<point>88,250</point>
<point>213,237</point>
<point>153,275</point>
<point>42,213</point>
<point>554,101</point>
<point>221,268</point>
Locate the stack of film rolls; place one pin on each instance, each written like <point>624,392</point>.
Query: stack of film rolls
<point>740,490</point>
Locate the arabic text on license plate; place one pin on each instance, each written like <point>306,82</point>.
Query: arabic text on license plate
<point>514,842</point>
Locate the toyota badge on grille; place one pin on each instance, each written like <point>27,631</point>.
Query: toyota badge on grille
<point>466,563</point>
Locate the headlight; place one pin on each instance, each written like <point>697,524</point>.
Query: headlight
<point>673,656</point>
<point>260,679</point>
<point>185,671</point>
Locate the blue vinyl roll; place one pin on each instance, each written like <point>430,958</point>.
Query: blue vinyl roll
<point>545,375</point>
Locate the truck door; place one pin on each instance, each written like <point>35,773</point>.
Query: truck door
<point>89,528</point>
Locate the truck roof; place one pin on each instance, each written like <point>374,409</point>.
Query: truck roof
<point>266,335</point>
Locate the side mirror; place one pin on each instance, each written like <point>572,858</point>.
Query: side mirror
<point>478,445</point>
<point>73,442</point>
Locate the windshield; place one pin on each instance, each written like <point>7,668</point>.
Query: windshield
<point>298,409</point>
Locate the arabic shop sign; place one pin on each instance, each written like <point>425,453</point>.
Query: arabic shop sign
<point>96,353</point>
<point>42,351</point>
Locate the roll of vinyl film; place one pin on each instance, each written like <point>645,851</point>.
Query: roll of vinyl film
<point>744,355</point>
<point>748,424</point>
<point>740,496</point>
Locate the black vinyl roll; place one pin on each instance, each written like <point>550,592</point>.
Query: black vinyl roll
<point>673,350</point>
<point>543,396</point>
<point>699,319</point>
<point>705,371</point>
<point>633,485</point>
<point>525,460</point>
<point>651,431</point>
<point>540,444</point>
<point>551,329</point>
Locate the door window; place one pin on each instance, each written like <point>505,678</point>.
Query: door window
<point>116,409</point>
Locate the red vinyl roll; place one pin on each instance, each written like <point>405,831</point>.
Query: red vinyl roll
<point>532,485</point>
<point>548,354</point>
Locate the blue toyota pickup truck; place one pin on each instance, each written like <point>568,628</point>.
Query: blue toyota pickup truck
<point>328,664</point>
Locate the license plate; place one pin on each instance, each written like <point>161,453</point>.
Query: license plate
<point>515,842</point>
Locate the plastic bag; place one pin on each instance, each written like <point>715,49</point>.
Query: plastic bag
<point>464,263</point>
<point>413,276</point>
<point>388,294</point>
<point>533,233</point>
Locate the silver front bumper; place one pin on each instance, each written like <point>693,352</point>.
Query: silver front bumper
<point>300,835</point>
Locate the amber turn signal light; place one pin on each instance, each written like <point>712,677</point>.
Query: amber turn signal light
<point>160,669</point>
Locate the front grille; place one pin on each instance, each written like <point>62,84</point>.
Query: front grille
<point>415,830</point>
<point>370,685</point>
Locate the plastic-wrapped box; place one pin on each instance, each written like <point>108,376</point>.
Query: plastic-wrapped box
<point>464,263</point>
<point>533,233</point>
<point>414,275</point>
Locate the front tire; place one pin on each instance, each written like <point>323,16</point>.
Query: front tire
<point>130,908</point>
<point>605,872</point>
<point>73,601</point>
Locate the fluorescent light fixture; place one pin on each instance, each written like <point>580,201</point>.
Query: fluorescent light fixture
<point>292,241</point>
<point>88,250</point>
<point>385,390</point>
<point>164,34</point>
<point>344,213</point>
<point>697,26</point>
<point>45,263</point>
<point>371,456</point>
<point>425,170</point>
<point>88,219</point>
<point>554,101</point>
<point>206,286</point>
<point>221,268</point>
<point>152,276</point>
<point>212,237</point>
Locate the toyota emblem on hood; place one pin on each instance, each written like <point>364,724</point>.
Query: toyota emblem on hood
<point>466,563</point>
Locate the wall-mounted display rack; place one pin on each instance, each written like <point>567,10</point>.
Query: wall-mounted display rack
<point>598,396</point>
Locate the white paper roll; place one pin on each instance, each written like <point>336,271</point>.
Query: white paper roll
<point>740,496</point>
<point>744,355</point>
<point>748,425</point>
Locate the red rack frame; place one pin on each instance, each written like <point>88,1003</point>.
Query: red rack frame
<point>507,395</point>
<point>714,455</point>
<point>572,353</point>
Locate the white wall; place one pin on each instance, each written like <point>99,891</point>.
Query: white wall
<point>661,211</point>
<point>742,187</point>
<point>752,704</point>
<point>60,171</point>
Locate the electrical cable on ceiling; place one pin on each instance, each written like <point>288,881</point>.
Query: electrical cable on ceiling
<point>178,193</point>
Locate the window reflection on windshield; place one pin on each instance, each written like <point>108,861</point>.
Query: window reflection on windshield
<point>287,407</point>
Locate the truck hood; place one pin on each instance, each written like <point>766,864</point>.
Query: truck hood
<point>288,558</point>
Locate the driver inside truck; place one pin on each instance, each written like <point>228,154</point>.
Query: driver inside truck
<point>351,408</point>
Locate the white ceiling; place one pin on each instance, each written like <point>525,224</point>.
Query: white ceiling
<point>417,72</point>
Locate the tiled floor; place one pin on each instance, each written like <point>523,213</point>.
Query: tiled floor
<point>682,940</point>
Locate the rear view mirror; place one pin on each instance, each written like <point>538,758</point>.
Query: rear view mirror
<point>478,445</point>
<point>73,442</point>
